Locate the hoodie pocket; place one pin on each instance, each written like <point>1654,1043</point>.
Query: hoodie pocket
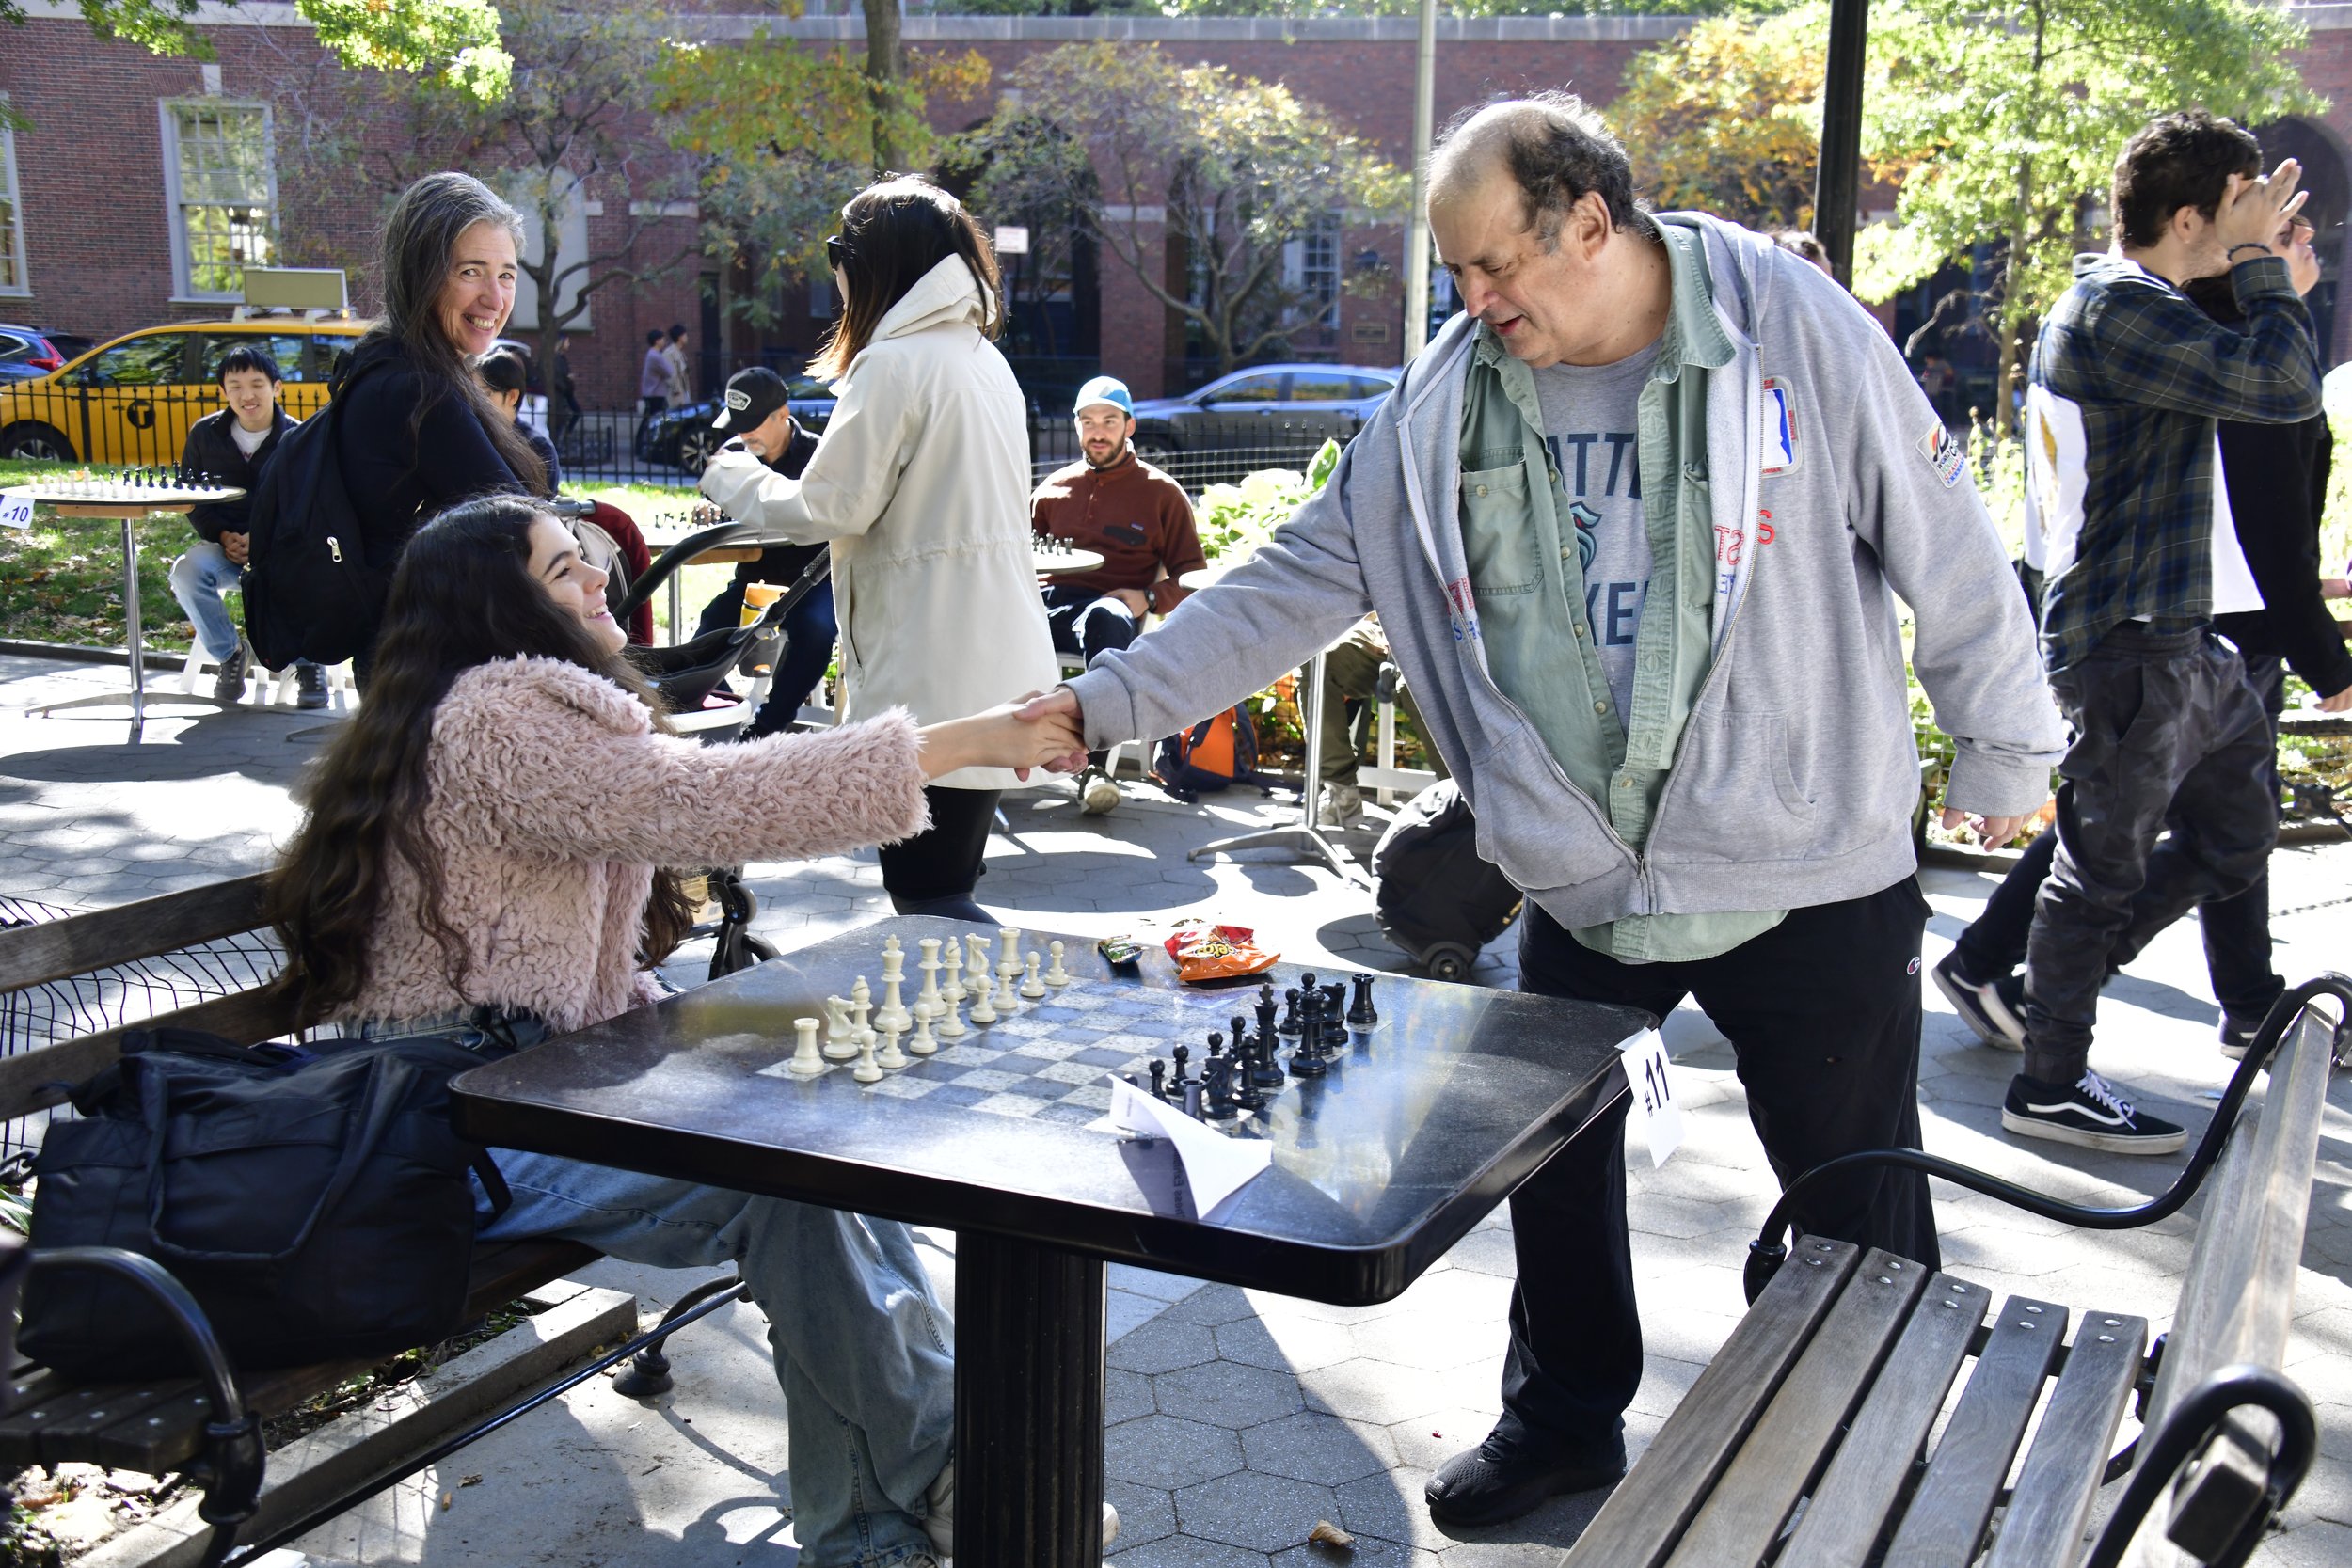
<point>1497,538</point>
<point>1732,796</point>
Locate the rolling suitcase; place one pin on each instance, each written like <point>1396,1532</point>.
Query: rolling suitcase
<point>1435,897</point>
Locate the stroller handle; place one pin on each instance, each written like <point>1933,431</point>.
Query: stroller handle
<point>676,556</point>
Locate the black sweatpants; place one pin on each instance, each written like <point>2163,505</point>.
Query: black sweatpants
<point>1823,1012</point>
<point>942,865</point>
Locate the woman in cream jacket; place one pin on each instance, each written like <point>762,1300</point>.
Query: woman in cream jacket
<point>921,484</point>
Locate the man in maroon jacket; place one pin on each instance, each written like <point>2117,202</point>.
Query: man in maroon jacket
<point>1138,520</point>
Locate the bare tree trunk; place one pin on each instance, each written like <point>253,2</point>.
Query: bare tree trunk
<point>885,65</point>
<point>2021,237</point>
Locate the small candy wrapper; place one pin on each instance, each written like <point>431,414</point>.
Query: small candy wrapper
<point>1217,953</point>
<point>1120,952</point>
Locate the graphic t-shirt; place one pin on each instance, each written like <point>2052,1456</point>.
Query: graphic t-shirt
<point>1589,422</point>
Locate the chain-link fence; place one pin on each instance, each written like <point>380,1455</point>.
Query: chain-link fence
<point>113,996</point>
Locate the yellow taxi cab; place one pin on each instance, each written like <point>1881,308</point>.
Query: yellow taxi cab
<point>131,400</point>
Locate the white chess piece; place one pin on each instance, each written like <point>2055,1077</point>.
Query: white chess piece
<point>927,1002</point>
<point>839,1047</point>
<point>866,1069</point>
<point>975,962</point>
<point>1009,940</point>
<point>953,986</point>
<point>806,1061</point>
<point>1031,986</point>
<point>922,1044</point>
<point>892,1015</point>
<point>983,997</point>
<point>890,1056</point>
<point>952,1014</point>
<point>1055,975</point>
<point>1009,987</point>
<point>861,1003</point>
<point>893,956</point>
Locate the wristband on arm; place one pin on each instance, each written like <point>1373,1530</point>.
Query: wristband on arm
<point>2230,255</point>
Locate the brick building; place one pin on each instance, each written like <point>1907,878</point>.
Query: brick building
<point>144,183</point>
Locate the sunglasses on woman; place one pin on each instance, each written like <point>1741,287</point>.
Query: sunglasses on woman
<point>836,252</point>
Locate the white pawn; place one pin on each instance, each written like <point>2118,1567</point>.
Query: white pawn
<point>953,986</point>
<point>839,1047</point>
<point>922,1044</point>
<point>951,1013</point>
<point>890,1056</point>
<point>861,1003</point>
<point>1008,987</point>
<point>806,1061</point>
<point>1055,975</point>
<point>983,1002</point>
<point>927,1002</point>
<point>865,1071</point>
<point>1031,986</point>
<point>892,1015</point>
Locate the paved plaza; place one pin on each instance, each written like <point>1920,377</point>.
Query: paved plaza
<point>1237,1420</point>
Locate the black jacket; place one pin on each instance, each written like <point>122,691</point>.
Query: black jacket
<point>211,448</point>
<point>396,480</point>
<point>2277,476</point>
<point>783,563</point>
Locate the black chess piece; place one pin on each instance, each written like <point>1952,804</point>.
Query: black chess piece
<point>1288,1028</point>
<point>1334,1001</point>
<point>1265,1010</point>
<point>1159,1079</point>
<point>1194,1106</point>
<point>1307,1058</point>
<point>1182,1054</point>
<point>1216,1099</point>
<point>1363,1015</point>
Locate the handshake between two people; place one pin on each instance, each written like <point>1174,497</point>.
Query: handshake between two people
<point>1042,729</point>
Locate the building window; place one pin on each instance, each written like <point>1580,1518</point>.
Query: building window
<point>1311,269</point>
<point>222,189</point>
<point>12,217</point>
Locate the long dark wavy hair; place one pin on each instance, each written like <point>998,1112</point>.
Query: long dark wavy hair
<point>419,238</point>
<point>464,595</point>
<point>892,234</point>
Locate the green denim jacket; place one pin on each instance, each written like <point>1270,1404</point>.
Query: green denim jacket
<point>1530,586</point>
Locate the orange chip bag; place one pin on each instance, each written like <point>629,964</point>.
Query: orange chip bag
<point>1217,953</point>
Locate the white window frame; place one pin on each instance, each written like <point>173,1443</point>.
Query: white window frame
<point>1328,231</point>
<point>14,254</point>
<point>175,210</point>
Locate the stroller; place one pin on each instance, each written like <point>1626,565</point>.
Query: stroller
<point>688,677</point>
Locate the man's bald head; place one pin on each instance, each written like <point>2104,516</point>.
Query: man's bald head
<point>1555,148</point>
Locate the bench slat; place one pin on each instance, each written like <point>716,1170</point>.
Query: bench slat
<point>1947,1514</point>
<point>1742,1516</point>
<point>1859,1492</point>
<point>2060,1478</point>
<point>35,1080</point>
<point>59,949</point>
<point>1639,1523</point>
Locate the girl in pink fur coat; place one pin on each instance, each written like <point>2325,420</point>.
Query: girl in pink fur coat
<point>486,854</point>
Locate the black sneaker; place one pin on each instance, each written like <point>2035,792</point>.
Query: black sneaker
<point>1502,1478</point>
<point>1995,1010</point>
<point>2237,1037</point>
<point>310,685</point>
<point>2089,1113</point>
<point>228,683</point>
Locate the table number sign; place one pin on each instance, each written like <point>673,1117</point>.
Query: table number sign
<point>16,509</point>
<point>1657,1114</point>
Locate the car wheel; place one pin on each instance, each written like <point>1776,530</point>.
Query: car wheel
<point>35,443</point>
<point>695,448</point>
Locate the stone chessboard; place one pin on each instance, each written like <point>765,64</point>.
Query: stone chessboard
<point>1053,1060</point>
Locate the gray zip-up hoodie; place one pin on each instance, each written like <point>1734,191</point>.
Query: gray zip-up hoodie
<point>1796,776</point>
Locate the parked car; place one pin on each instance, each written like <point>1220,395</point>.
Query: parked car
<point>69,345</point>
<point>1275,410</point>
<point>681,437</point>
<point>26,353</point>
<point>131,400</point>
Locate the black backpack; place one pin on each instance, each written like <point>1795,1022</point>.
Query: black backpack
<point>313,1200</point>
<point>309,593</point>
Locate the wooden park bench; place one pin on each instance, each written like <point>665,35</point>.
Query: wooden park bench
<point>1805,1442</point>
<point>206,949</point>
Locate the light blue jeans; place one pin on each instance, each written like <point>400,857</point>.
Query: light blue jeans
<point>864,1348</point>
<point>198,578</point>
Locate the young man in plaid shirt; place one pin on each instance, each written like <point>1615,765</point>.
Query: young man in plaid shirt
<point>2128,380</point>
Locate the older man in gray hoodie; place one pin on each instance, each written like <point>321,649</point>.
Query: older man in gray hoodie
<point>1635,524</point>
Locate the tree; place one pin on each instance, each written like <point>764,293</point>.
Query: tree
<point>2001,120</point>
<point>453,43</point>
<point>1726,116</point>
<point>1241,169</point>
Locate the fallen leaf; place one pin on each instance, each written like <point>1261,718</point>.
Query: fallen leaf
<point>1328,1534</point>
<point>470,1480</point>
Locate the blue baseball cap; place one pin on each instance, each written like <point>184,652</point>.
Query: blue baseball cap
<point>1105,389</point>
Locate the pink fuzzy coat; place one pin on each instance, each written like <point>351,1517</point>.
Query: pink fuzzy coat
<point>553,799</point>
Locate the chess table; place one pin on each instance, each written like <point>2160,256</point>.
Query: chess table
<point>126,504</point>
<point>1437,1113</point>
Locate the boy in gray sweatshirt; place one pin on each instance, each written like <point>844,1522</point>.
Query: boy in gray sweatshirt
<point>1634,524</point>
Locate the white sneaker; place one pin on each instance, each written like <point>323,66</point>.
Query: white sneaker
<point>939,1516</point>
<point>1342,804</point>
<point>1098,794</point>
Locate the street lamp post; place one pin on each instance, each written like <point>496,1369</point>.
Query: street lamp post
<point>1417,220</point>
<point>1836,181</point>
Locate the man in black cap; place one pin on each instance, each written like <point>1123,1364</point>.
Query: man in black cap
<point>760,428</point>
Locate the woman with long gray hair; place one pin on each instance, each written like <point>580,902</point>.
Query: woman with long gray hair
<point>416,431</point>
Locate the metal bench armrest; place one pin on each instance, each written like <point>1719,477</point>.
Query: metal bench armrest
<point>2196,1419</point>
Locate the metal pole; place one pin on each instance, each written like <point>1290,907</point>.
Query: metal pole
<point>1836,181</point>
<point>131,625</point>
<point>1417,221</point>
